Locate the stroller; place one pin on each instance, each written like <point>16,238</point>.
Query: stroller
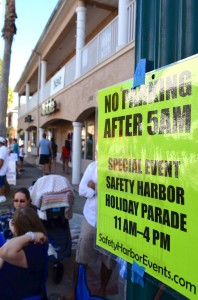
<point>54,197</point>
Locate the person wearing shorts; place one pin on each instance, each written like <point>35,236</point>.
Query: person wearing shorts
<point>44,149</point>
<point>21,157</point>
<point>86,251</point>
<point>54,149</point>
<point>3,168</point>
<point>15,149</point>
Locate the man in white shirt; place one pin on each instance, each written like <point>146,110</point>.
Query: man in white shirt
<point>86,252</point>
<point>3,168</point>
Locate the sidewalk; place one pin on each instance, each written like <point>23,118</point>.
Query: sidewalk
<point>32,172</point>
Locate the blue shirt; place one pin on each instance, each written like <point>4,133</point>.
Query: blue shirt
<point>44,145</point>
<point>15,149</point>
<point>17,283</point>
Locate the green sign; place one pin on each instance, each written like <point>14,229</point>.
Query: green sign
<point>147,174</point>
<point>48,107</point>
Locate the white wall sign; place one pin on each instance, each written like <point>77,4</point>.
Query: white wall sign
<point>57,81</point>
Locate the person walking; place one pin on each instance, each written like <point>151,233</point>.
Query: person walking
<point>54,149</point>
<point>89,147</point>
<point>44,150</point>
<point>65,156</point>
<point>3,168</point>
<point>15,149</point>
<point>21,157</point>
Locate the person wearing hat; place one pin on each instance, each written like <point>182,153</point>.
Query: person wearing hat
<point>3,168</point>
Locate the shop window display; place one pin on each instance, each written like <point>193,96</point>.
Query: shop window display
<point>88,141</point>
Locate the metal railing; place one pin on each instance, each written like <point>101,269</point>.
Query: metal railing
<point>101,47</point>
<point>70,69</point>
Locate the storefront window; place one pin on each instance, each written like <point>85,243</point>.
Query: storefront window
<point>33,135</point>
<point>88,141</point>
<point>50,133</point>
<point>21,137</point>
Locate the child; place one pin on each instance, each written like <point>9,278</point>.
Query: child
<point>21,156</point>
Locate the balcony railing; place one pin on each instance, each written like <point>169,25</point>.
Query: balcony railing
<point>70,69</point>
<point>101,47</point>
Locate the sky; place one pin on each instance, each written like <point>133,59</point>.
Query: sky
<point>32,16</point>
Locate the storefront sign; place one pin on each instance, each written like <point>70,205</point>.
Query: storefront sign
<point>148,174</point>
<point>57,81</point>
<point>48,107</point>
<point>28,119</point>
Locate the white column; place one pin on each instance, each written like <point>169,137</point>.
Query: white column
<point>80,36</point>
<point>1,20</point>
<point>19,104</point>
<point>43,78</point>
<point>26,143</point>
<point>27,94</point>
<point>76,153</point>
<point>38,96</point>
<point>41,131</point>
<point>122,23</point>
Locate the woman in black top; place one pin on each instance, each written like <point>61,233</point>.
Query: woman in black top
<point>54,149</point>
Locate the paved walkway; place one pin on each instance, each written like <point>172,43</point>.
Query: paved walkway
<point>32,172</point>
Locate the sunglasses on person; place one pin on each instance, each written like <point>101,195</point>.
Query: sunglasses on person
<point>17,200</point>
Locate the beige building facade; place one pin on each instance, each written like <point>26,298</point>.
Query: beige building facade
<point>86,46</point>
